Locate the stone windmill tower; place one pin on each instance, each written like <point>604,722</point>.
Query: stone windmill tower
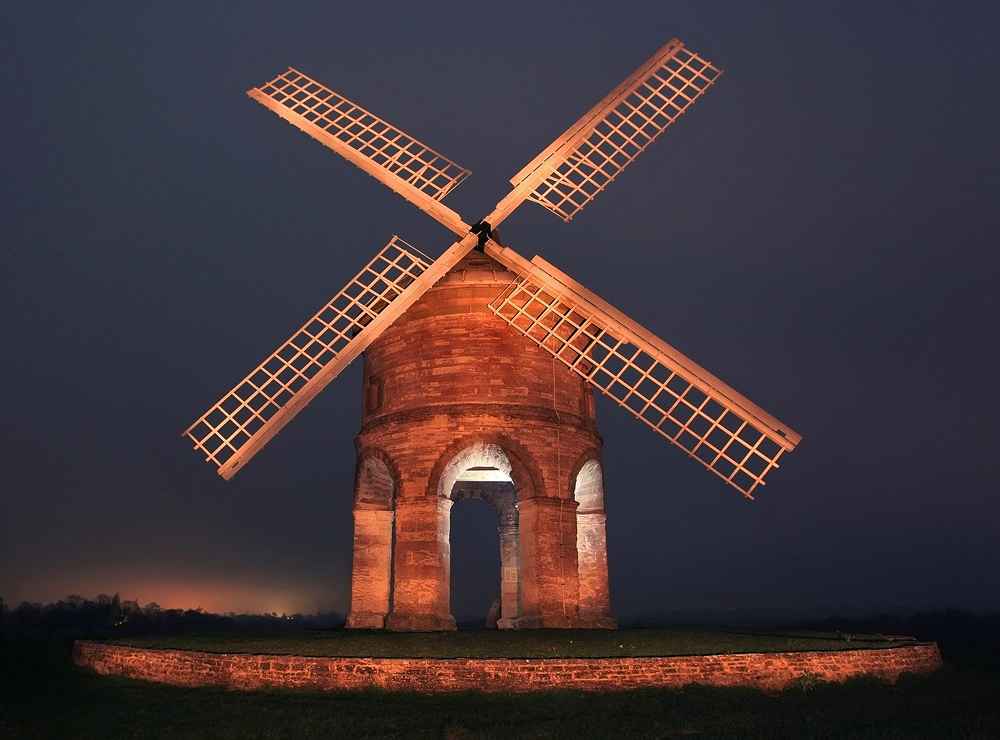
<point>479,370</point>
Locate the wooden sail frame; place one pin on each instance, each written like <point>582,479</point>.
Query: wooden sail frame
<point>590,154</point>
<point>716,425</point>
<point>412,169</point>
<point>238,426</point>
<point>723,430</point>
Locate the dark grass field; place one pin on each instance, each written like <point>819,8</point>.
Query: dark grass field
<point>510,643</point>
<point>43,695</point>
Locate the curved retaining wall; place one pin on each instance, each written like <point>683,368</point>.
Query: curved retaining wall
<point>768,671</point>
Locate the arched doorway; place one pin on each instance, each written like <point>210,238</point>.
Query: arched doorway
<point>475,561</point>
<point>482,472</point>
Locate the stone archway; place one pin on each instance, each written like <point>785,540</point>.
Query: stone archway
<point>374,515</point>
<point>483,471</point>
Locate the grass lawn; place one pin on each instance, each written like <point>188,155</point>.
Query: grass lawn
<point>507,643</point>
<point>43,695</point>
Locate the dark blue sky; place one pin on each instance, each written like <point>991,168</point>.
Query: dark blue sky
<point>820,231</point>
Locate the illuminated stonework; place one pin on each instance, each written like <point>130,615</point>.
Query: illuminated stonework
<point>479,370</point>
<point>245,672</point>
<point>457,404</point>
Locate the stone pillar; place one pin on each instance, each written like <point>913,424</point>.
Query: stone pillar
<point>372,569</point>
<point>510,570</point>
<point>591,545</point>
<point>549,581</point>
<point>422,566</point>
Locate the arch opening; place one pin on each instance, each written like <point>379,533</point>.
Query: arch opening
<point>475,562</point>
<point>483,471</point>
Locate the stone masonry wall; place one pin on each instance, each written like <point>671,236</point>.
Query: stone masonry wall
<point>449,376</point>
<point>767,671</point>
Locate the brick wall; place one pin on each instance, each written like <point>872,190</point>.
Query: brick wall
<point>768,671</point>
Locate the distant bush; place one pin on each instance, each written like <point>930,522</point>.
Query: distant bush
<point>111,616</point>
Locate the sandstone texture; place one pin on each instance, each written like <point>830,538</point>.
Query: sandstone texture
<point>767,671</point>
<point>458,404</point>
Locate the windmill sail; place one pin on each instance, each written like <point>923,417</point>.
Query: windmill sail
<point>581,162</point>
<point>412,169</point>
<point>233,430</point>
<point>247,417</point>
<point>723,430</point>
<point>727,433</point>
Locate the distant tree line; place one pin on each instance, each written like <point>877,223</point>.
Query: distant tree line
<point>952,629</point>
<point>107,616</point>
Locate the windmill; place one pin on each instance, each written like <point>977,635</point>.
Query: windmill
<point>479,370</point>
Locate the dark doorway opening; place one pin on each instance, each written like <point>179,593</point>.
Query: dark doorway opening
<point>475,562</point>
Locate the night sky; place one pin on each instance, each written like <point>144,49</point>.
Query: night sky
<point>819,230</point>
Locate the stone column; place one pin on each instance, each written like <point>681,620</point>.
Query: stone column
<point>592,554</point>
<point>372,569</point>
<point>422,583</point>
<point>510,577</point>
<point>549,580</point>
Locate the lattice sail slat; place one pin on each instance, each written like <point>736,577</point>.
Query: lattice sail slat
<point>714,424</point>
<point>411,168</point>
<point>582,162</point>
<point>255,410</point>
